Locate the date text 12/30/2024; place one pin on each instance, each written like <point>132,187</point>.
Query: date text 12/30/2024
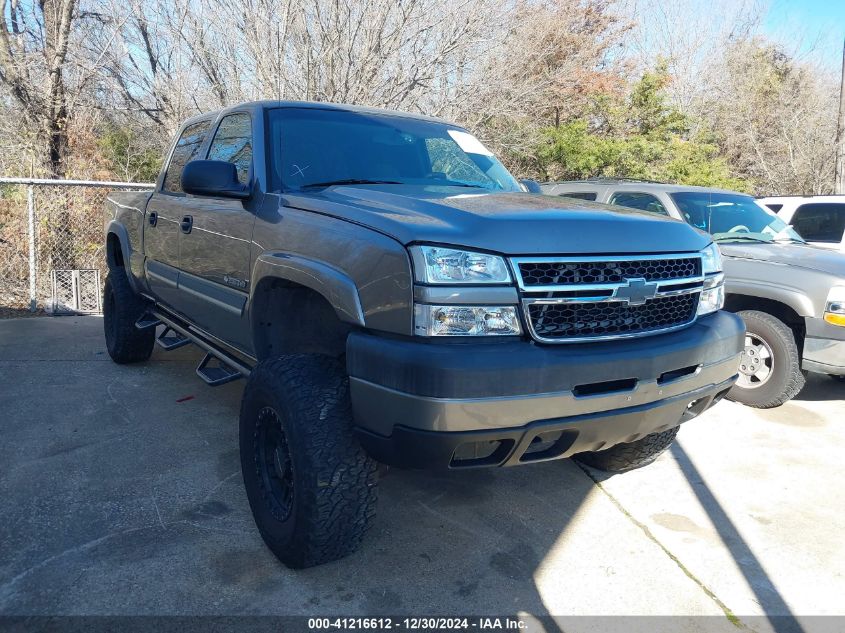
<point>418,624</point>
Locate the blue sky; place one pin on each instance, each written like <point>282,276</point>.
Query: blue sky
<point>820,21</point>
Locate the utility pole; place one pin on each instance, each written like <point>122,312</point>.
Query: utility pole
<point>839,185</point>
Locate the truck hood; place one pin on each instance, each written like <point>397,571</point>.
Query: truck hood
<point>798,255</point>
<point>509,223</point>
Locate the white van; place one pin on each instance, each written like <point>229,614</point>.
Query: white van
<point>818,219</point>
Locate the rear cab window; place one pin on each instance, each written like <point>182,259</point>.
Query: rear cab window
<point>187,149</point>
<point>641,201</point>
<point>820,221</point>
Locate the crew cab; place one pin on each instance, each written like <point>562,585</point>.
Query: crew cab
<point>392,294</point>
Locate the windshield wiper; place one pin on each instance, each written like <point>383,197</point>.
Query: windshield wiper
<point>455,183</point>
<point>351,181</point>
<point>732,238</point>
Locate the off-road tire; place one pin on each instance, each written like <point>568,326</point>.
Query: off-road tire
<point>333,491</point>
<point>787,379</point>
<point>121,309</point>
<point>622,457</point>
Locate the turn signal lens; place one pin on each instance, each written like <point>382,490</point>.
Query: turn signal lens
<point>834,310</point>
<point>835,319</point>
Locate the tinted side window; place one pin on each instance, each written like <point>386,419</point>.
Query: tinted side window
<point>642,201</point>
<point>233,143</point>
<point>775,207</point>
<point>820,221</point>
<point>186,149</point>
<point>580,195</point>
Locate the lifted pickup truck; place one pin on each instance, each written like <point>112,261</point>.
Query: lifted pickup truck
<point>392,294</point>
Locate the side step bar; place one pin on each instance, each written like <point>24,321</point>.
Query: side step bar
<point>217,375</point>
<point>176,334</point>
<point>147,321</point>
<point>170,339</point>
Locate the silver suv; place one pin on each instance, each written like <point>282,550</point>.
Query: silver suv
<point>790,294</point>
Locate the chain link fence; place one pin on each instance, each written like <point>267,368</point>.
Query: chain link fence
<point>52,247</point>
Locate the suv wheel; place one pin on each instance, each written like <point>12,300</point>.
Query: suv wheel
<point>631,455</point>
<point>121,309</point>
<point>311,486</point>
<point>770,366</point>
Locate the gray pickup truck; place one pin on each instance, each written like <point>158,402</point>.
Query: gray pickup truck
<point>392,294</point>
<point>790,294</point>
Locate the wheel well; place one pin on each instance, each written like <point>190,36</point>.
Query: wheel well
<point>288,318</point>
<point>737,303</point>
<point>114,253</point>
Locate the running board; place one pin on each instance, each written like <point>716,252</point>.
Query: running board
<point>148,320</point>
<point>228,368</point>
<point>214,376</point>
<point>170,339</point>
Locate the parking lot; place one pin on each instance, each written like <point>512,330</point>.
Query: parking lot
<point>121,493</point>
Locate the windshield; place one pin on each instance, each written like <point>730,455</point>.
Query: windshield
<point>732,217</point>
<point>314,148</point>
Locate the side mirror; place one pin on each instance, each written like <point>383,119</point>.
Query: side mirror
<point>213,178</point>
<point>531,186</point>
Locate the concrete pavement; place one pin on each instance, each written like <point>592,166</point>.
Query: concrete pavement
<point>121,493</point>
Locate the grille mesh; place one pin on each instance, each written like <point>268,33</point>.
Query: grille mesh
<point>609,272</point>
<point>612,318</point>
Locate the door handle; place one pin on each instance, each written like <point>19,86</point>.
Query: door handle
<point>187,223</point>
<point>153,218</point>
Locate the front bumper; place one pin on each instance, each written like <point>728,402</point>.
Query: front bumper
<point>425,404</point>
<point>824,347</point>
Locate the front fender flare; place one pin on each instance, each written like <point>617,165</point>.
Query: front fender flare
<point>118,230</point>
<point>799,302</point>
<point>332,284</point>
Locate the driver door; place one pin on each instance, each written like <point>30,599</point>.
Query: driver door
<point>215,250</point>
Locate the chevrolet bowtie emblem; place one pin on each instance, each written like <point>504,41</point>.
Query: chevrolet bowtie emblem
<point>636,291</point>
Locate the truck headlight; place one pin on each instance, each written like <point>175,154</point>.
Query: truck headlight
<point>713,295</point>
<point>711,260</point>
<point>453,320</point>
<point>834,309</point>
<point>440,265</point>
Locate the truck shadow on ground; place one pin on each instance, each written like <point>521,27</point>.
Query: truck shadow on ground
<point>463,542</point>
<point>821,388</point>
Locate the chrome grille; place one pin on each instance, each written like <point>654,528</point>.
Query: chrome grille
<point>578,299</point>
